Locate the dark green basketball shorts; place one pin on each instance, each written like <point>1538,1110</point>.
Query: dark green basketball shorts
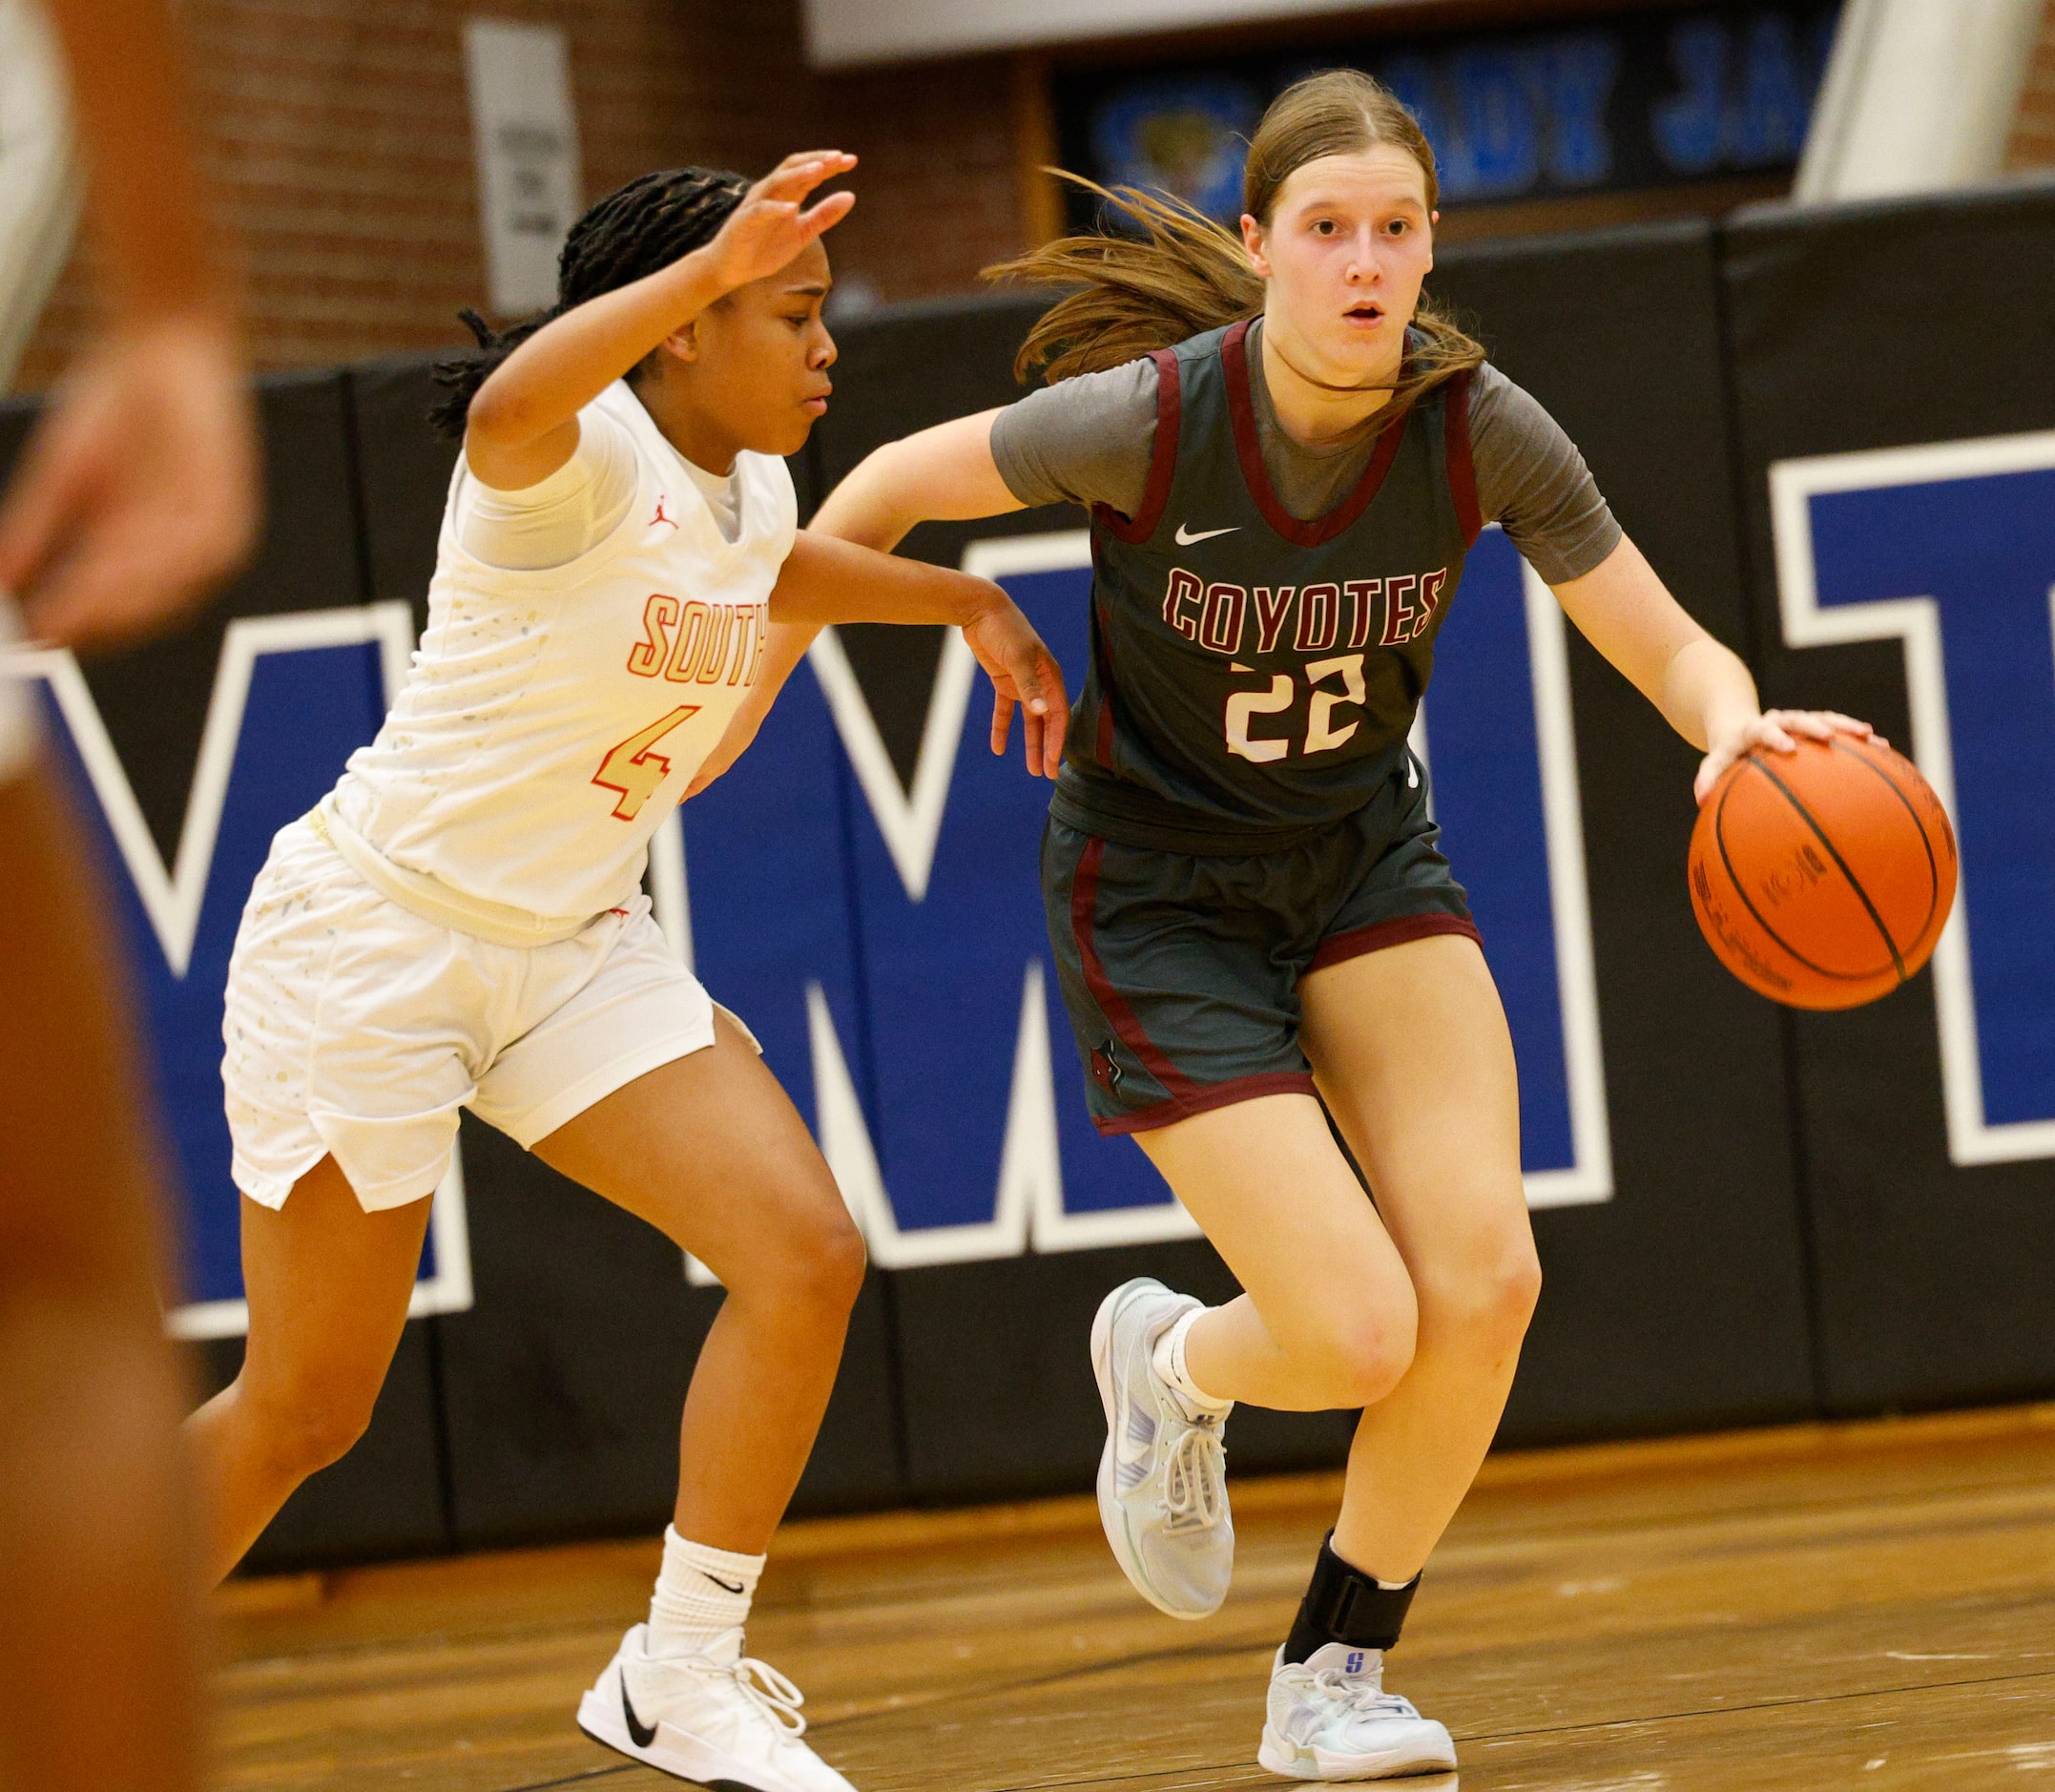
<point>1181,971</point>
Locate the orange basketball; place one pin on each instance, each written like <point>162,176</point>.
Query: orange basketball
<point>1822,877</point>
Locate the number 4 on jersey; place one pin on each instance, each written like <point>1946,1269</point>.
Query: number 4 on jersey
<point>634,769</point>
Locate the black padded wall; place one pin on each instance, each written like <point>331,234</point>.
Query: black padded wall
<point>1925,328</point>
<point>1795,1223</point>
<point>1680,1302</point>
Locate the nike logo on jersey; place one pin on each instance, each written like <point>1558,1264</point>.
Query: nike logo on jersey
<point>1185,537</point>
<point>641,1734</point>
<point>660,517</point>
<point>726,1586</point>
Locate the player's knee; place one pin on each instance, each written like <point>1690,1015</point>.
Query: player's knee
<point>314,1418</point>
<point>1486,1301</point>
<point>1355,1351</point>
<point>821,1265</point>
<point>838,1259</point>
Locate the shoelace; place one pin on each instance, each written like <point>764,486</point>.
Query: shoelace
<point>1194,1481</point>
<point>768,1692</point>
<point>1364,1695</point>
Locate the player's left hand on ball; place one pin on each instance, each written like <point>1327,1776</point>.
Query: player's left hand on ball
<point>1779,731</point>
<point>1023,671</point>
<point>139,488</point>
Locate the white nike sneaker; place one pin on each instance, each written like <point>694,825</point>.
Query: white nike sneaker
<point>1331,1718</point>
<point>1163,1475</point>
<point>733,1727</point>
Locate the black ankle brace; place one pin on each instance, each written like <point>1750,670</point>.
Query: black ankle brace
<point>1345,1605</point>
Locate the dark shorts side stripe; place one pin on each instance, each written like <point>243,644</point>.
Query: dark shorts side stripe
<point>1399,930</point>
<point>1084,903</point>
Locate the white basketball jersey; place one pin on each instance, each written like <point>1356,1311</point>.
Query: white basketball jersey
<point>553,719</point>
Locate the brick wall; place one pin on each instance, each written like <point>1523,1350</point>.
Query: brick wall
<point>2033,135</point>
<point>938,187</point>
<point>339,135</point>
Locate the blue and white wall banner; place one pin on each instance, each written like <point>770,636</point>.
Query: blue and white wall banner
<point>1949,548</point>
<point>1184,135</point>
<point>1514,111</point>
<point>885,944</point>
<point>293,697</point>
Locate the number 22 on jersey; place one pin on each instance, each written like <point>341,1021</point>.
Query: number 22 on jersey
<point>1322,736</point>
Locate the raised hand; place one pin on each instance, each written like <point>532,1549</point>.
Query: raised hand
<point>1023,671</point>
<point>1779,730</point>
<point>769,228</point>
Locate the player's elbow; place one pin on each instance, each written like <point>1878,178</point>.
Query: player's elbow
<point>501,415</point>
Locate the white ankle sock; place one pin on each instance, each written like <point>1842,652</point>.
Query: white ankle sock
<point>1168,1360</point>
<point>700,1592</point>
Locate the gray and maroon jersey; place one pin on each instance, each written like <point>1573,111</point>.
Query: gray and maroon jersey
<point>1253,675</point>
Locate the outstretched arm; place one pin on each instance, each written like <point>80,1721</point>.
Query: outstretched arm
<point>523,424</point>
<point>1703,690</point>
<point>944,472</point>
<point>826,581</point>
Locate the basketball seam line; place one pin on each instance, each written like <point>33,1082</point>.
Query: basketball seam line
<point>1740,889</point>
<point>1734,876</point>
<point>1933,871</point>
<point>1855,884</point>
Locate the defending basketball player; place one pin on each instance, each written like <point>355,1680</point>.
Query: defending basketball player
<point>461,922</point>
<point>1287,454</point>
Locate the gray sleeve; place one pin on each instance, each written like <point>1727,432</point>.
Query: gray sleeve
<point>1531,479</point>
<point>1086,440</point>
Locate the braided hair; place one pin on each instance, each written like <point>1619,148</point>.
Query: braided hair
<point>632,233</point>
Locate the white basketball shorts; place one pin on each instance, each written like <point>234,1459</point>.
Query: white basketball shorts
<point>356,1029</point>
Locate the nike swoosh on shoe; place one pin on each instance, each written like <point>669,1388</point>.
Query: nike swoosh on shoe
<point>641,1734</point>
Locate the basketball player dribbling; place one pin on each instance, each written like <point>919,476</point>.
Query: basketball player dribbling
<point>1286,455</point>
<point>461,922</point>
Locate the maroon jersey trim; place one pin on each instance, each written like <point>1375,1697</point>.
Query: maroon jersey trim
<point>1462,468</point>
<point>1103,742</point>
<point>1249,450</point>
<point>1162,458</point>
<point>1399,931</point>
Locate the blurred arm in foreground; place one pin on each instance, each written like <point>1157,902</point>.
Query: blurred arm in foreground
<point>139,489</point>
<point>137,493</point>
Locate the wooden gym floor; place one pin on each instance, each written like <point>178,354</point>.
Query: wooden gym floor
<point>1868,1606</point>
